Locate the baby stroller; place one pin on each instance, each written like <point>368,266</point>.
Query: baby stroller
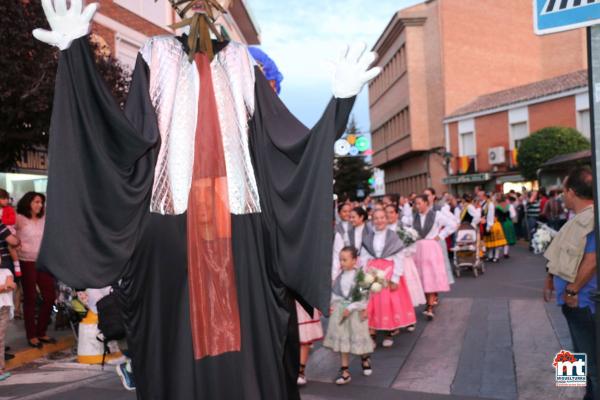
<point>467,251</point>
<point>69,310</point>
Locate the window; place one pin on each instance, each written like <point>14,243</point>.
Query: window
<point>467,143</point>
<point>126,52</point>
<point>582,105</point>
<point>518,132</point>
<point>157,12</point>
<point>583,125</point>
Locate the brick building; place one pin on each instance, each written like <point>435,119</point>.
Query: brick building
<point>124,25</point>
<point>437,57</point>
<point>484,135</point>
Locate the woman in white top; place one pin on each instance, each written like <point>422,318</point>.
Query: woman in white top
<point>470,213</point>
<point>30,228</point>
<point>432,227</point>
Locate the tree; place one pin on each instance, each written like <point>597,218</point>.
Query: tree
<point>27,74</point>
<point>351,173</point>
<point>545,144</point>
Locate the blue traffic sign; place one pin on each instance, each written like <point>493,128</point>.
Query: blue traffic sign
<point>551,16</point>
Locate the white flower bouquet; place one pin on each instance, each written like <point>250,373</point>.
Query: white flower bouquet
<point>372,281</point>
<point>542,238</point>
<point>408,236</point>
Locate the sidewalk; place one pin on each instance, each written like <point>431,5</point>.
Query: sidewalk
<point>16,339</point>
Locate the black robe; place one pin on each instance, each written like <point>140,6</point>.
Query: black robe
<point>99,230</point>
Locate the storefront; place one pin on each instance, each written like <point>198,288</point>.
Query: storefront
<point>29,175</point>
<point>466,183</point>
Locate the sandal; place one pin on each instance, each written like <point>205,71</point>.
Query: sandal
<point>388,341</point>
<point>37,345</point>
<point>428,313</point>
<point>301,377</point>
<point>366,366</point>
<point>47,339</point>
<point>344,377</point>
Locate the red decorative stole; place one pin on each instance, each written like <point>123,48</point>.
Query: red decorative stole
<point>213,297</point>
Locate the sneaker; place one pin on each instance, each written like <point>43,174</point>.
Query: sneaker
<point>411,328</point>
<point>388,342</point>
<point>301,380</point>
<point>124,372</point>
<point>4,376</point>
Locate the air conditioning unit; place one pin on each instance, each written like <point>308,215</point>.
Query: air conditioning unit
<point>497,155</point>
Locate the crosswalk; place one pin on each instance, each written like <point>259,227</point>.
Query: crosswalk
<point>553,6</point>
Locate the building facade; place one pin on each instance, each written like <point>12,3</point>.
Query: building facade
<point>437,57</point>
<point>485,135</point>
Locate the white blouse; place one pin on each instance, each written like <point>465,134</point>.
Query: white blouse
<point>378,245</point>
<point>444,225</point>
<point>347,282</point>
<point>475,213</point>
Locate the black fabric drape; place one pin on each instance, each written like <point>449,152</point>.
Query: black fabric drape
<point>99,179</point>
<point>294,170</point>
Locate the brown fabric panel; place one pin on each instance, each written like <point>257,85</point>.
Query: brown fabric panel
<point>214,310</point>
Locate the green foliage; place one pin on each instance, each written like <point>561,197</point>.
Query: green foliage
<point>351,172</point>
<point>545,144</point>
<point>27,75</point>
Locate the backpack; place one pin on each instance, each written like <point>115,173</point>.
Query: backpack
<point>110,320</point>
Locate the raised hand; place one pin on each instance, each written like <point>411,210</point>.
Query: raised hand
<point>67,24</point>
<point>351,71</point>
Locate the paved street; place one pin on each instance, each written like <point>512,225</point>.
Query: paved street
<point>493,338</point>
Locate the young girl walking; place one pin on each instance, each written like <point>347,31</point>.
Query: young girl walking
<point>348,330</point>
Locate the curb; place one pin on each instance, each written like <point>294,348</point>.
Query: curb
<point>26,356</point>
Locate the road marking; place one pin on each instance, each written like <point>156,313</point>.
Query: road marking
<point>31,378</point>
<point>432,364</point>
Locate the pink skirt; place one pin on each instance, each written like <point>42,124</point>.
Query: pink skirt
<point>390,309</point>
<point>413,282</point>
<point>309,327</point>
<point>431,266</point>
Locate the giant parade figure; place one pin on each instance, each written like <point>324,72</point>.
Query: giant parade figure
<point>204,200</point>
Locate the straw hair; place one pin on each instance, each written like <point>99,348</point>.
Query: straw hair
<point>200,16</point>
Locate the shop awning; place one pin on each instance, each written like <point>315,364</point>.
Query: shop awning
<point>470,178</point>
<point>510,178</point>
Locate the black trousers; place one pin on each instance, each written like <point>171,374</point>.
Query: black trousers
<point>583,334</point>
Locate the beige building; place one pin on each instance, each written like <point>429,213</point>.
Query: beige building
<point>439,56</point>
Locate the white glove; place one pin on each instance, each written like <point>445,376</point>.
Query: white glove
<point>351,71</point>
<point>67,24</point>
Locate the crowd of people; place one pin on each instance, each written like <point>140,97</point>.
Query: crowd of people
<point>367,239</point>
